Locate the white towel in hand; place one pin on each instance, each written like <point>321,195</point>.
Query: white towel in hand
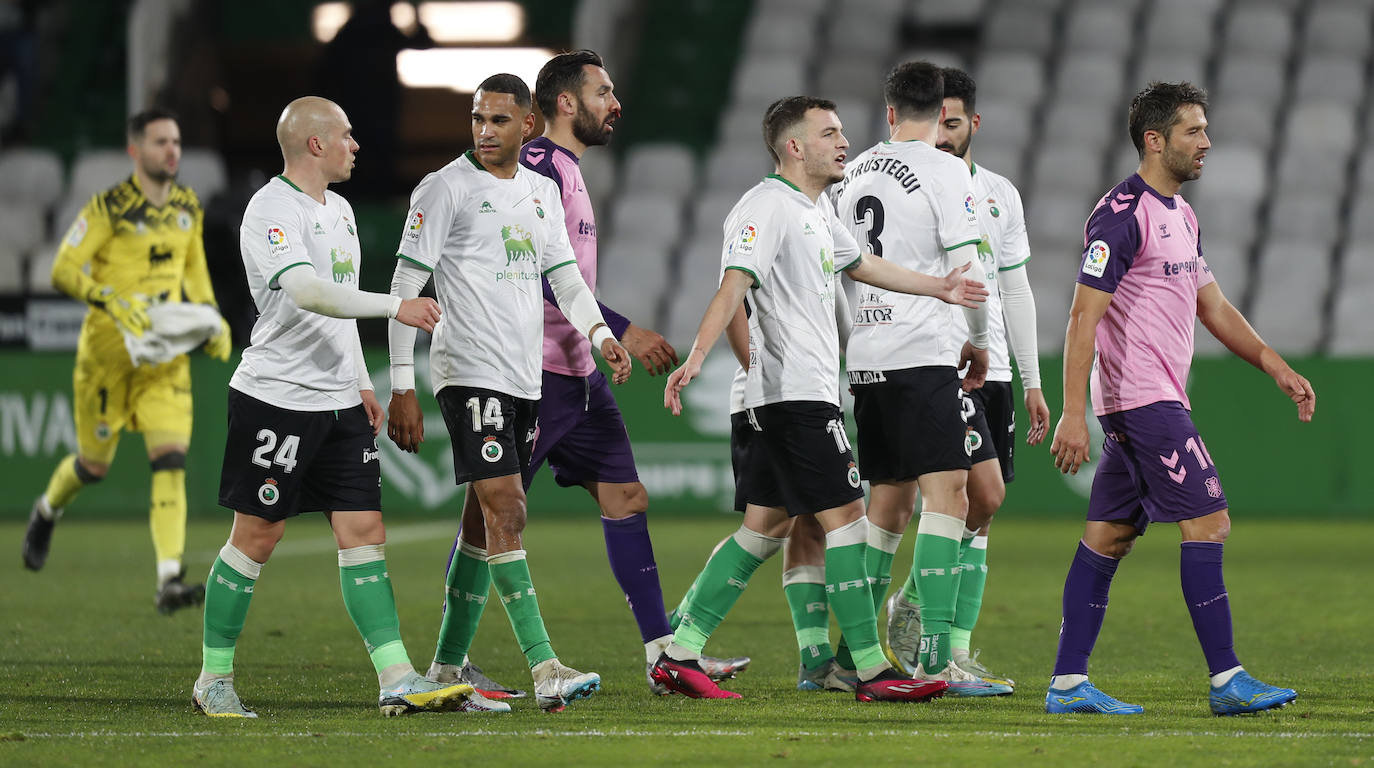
<point>178,328</point>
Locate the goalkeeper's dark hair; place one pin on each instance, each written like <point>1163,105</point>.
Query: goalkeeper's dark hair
<point>505,82</point>
<point>915,90</point>
<point>1156,109</point>
<point>138,124</point>
<point>563,73</point>
<point>784,114</point>
<point>960,85</point>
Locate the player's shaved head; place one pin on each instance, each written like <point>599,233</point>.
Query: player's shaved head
<point>784,120</point>
<point>304,118</point>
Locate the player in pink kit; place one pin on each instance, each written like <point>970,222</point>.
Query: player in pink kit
<point>1141,282</point>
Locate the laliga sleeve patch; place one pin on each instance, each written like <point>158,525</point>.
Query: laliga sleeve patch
<point>78,232</point>
<point>744,243</point>
<point>971,210</point>
<point>1095,258</point>
<point>277,243</point>
<point>413,227</point>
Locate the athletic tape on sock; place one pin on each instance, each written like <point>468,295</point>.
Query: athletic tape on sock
<point>804,574</point>
<point>242,564</point>
<point>979,542</point>
<point>942,525</point>
<point>756,544</point>
<point>367,553</point>
<point>883,539</point>
<point>853,533</point>
<point>475,553</point>
<point>506,557</point>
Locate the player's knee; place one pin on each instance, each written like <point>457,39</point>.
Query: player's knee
<point>632,500</point>
<point>983,503</point>
<point>89,472</point>
<point>169,460</point>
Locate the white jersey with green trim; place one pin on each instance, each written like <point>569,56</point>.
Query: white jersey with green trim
<point>489,241</point>
<point>911,204</point>
<point>298,360</point>
<point>793,248</point>
<point>1004,246</point>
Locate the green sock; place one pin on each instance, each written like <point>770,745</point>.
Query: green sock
<point>973,556</point>
<point>511,575</point>
<point>720,584</point>
<point>804,587</point>
<point>367,596</point>
<point>911,592</point>
<point>846,585</point>
<point>937,574</point>
<point>465,596</point>
<point>882,548</point>
<point>675,618</point>
<point>227,593</point>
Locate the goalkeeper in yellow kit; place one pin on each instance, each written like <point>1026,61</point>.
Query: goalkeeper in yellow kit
<point>134,245</point>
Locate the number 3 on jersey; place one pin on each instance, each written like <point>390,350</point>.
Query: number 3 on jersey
<point>869,210</point>
<point>490,416</point>
<point>286,455</point>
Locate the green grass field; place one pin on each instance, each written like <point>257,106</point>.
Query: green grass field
<point>90,674</point>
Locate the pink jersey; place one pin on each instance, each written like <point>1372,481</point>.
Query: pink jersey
<point>1144,249</point>
<point>565,350</point>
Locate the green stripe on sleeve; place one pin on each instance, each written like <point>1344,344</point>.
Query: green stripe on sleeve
<point>425,267</point>
<point>273,285</point>
<point>851,264</point>
<point>749,272</point>
<point>961,245</point>
<point>1014,266</point>
<point>560,264</point>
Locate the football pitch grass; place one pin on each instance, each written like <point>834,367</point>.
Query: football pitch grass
<point>90,674</point>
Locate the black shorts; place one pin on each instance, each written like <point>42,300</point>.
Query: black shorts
<point>994,424</point>
<point>799,458</point>
<point>911,422</point>
<point>279,462</point>
<point>741,440</point>
<point>492,432</point>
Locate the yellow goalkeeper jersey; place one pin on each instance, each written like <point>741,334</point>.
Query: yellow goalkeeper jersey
<point>122,240</point>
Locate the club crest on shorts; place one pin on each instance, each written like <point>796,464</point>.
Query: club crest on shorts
<point>853,475</point>
<point>1213,487</point>
<point>972,440</point>
<point>268,493</point>
<point>492,450</point>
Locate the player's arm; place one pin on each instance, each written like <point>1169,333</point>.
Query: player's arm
<point>724,307</point>
<point>1070,446</point>
<point>326,297</point>
<point>576,302</point>
<point>953,288</point>
<point>1230,327</point>
<point>975,351</point>
<point>86,236</point>
<point>649,348</point>
<point>1018,307</point>
<point>844,321</point>
<point>737,334</point>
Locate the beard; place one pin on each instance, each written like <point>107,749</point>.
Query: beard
<point>1180,165</point>
<point>958,150</point>
<point>588,130</point>
<point>160,175</point>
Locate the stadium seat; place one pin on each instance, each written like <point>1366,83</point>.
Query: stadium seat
<point>1099,27</point>
<point>1361,223</point>
<point>30,174</point>
<point>203,171</point>
<point>741,125</point>
<point>97,169</point>
<point>1256,78</point>
<point>1364,179</point>
<point>1259,28</point>
<point>707,222</point>
<point>1291,294</point>
<point>1337,27</point>
<point>776,32</point>
<point>760,80</point>
<point>1169,66</point>
<point>865,122</point>
<point>1303,215</point>
<point>941,13</point>
<point>1005,161</point>
<point>698,276</point>
<point>598,170</point>
<point>1090,77</point>
<point>1024,28</point>
<point>1005,124</point>
<point>1351,333</point>
<point>40,268</point>
<point>1180,26</point>
<point>780,7</point>
<point>858,76</point>
<point>1236,120</point>
<point>731,169</point>
<point>1057,220</point>
<point>1236,171</point>
<point>11,271</point>
<point>632,276</point>
<point>1326,125</point>
<point>944,57</point>
<point>1011,77</point>
<point>1224,219</point>
<point>1085,123</point>
<point>21,230</point>
<point>1124,161</point>
<point>664,168</point>
<point>650,220</point>
<point>878,11</point>
<point>1329,77</point>
<point>1311,171</point>
<point>1065,169</point>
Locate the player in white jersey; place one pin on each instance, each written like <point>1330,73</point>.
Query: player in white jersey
<point>303,415</point>
<point>489,229</point>
<point>1003,252</point>
<point>914,205</point>
<point>784,246</point>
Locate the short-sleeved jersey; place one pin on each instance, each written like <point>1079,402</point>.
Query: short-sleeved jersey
<point>298,360</point>
<point>566,350</point>
<point>912,204</point>
<point>1144,249</point>
<point>793,248</point>
<point>136,247</point>
<point>488,241</point>
<point>1004,246</point>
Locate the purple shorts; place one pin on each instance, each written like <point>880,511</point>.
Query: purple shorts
<point>581,433</point>
<point>1154,469</point>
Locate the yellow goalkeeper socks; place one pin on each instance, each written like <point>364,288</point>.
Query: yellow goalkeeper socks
<point>64,485</point>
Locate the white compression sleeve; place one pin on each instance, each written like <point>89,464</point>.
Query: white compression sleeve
<point>325,297</point>
<point>578,304</point>
<point>977,319</point>
<point>406,283</point>
<point>1018,307</point>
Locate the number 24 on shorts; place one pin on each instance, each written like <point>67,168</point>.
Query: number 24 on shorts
<point>286,454</point>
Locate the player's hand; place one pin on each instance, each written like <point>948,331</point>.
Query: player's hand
<point>960,291</point>
<point>1299,390</point>
<point>650,349</point>
<point>420,312</point>
<point>221,344</point>
<point>406,424</point>
<point>375,416</point>
<point>130,312</point>
<point>1070,444</point>
<point>618,358</point>
<point>1039,416</point>
<point>977,361</point>
<point>679,379</point>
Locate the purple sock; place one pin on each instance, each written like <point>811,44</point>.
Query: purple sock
<point>1199,568</point>
<point>631,555</point>
<point>1085,604</point>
